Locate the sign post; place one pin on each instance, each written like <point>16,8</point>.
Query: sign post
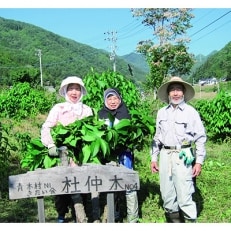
<point>87,178</point>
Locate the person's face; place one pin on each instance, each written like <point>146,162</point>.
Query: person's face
<point>74,92</point>
<point>176,93</point>
<point>113,102</point>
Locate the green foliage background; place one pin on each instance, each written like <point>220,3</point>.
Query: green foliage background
<point>22,101</point>
<point>212,185</point>
<point>216,115</point>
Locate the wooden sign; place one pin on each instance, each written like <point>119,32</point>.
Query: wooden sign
<point>70,180</point>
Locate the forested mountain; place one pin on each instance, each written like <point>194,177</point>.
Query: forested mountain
<point>137,60</point>
<point>217,65</point>
<point>20,44</point>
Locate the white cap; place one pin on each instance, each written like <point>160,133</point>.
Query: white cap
<point>69,80</point>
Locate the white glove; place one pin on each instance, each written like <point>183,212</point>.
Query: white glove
<point>53,151</point>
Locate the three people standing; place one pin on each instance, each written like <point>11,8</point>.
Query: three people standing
<point>179,143</point>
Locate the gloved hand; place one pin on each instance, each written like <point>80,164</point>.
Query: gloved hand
<point>53,151</point>
<point>112,163</point>
<point>186,154</point>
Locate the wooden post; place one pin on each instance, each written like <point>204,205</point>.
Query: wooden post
<point>41,213</point>
<point>111,208</point>
<point>40,204</point>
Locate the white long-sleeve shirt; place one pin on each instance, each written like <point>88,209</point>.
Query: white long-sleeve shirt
<point>179,126</point>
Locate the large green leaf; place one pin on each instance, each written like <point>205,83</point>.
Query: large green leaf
<point>95,147</point>
<point>86,153</point>
<point>50,161</point>
<point>104,147</point>
<point>122,124</point>
<point>89,137</point>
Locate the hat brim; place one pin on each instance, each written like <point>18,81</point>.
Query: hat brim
<point>162,92</point>
<point>71,80</point>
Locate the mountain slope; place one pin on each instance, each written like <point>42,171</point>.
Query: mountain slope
<point>138,60</point>
<point>60,56</point>
<point>217,65</point>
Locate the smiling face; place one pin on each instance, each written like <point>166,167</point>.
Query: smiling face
<point>176,93</point>
<point>74,92</point>
<point>112,102</point>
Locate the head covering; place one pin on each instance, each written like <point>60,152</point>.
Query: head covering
<point>162,92</point>
<point>111,91</point>
<point>120,113</point>
<point>69,80</point>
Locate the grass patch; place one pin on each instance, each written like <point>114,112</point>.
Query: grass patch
<point>212,193</point>
<point>212,186</point>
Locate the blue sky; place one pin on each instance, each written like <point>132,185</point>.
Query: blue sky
<point>94,26</point>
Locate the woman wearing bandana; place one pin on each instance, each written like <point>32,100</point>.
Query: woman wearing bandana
<point>114,105</point>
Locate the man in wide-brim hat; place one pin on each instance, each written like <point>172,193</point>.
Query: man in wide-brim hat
<point>163,91</point>
<point>178,126</point>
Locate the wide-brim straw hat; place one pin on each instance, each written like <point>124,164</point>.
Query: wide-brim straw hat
<point>69,80</point>
<point>162,92</point>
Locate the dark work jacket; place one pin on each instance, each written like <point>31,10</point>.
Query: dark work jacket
<point>120,113</point>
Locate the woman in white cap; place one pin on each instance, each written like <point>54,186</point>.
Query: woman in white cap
<point>72,89</point>
<point>178,126</point>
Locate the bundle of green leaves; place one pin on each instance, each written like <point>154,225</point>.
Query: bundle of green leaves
<point>90,140</point>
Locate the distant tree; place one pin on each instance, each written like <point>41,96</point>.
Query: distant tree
<point>168,54</point>
<point>25,75</point>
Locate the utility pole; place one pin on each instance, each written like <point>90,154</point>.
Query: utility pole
<point>112,38</point>
<point>39,53</point>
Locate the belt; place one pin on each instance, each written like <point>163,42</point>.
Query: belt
<point>177,147</point>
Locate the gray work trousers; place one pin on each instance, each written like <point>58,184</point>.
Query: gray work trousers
<point>132,206</point>
<point>176,184</point>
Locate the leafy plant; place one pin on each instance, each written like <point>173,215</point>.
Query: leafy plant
<point>23,101</point>
<point>97,83</point>
<point>5,152</point>
<point>216,115</point>
<point>89,140</point>
<point>168,54</point>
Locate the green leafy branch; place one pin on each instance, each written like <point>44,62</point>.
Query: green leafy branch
<point>90,140</point>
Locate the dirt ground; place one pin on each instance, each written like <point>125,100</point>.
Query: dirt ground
<point>205,95</point>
